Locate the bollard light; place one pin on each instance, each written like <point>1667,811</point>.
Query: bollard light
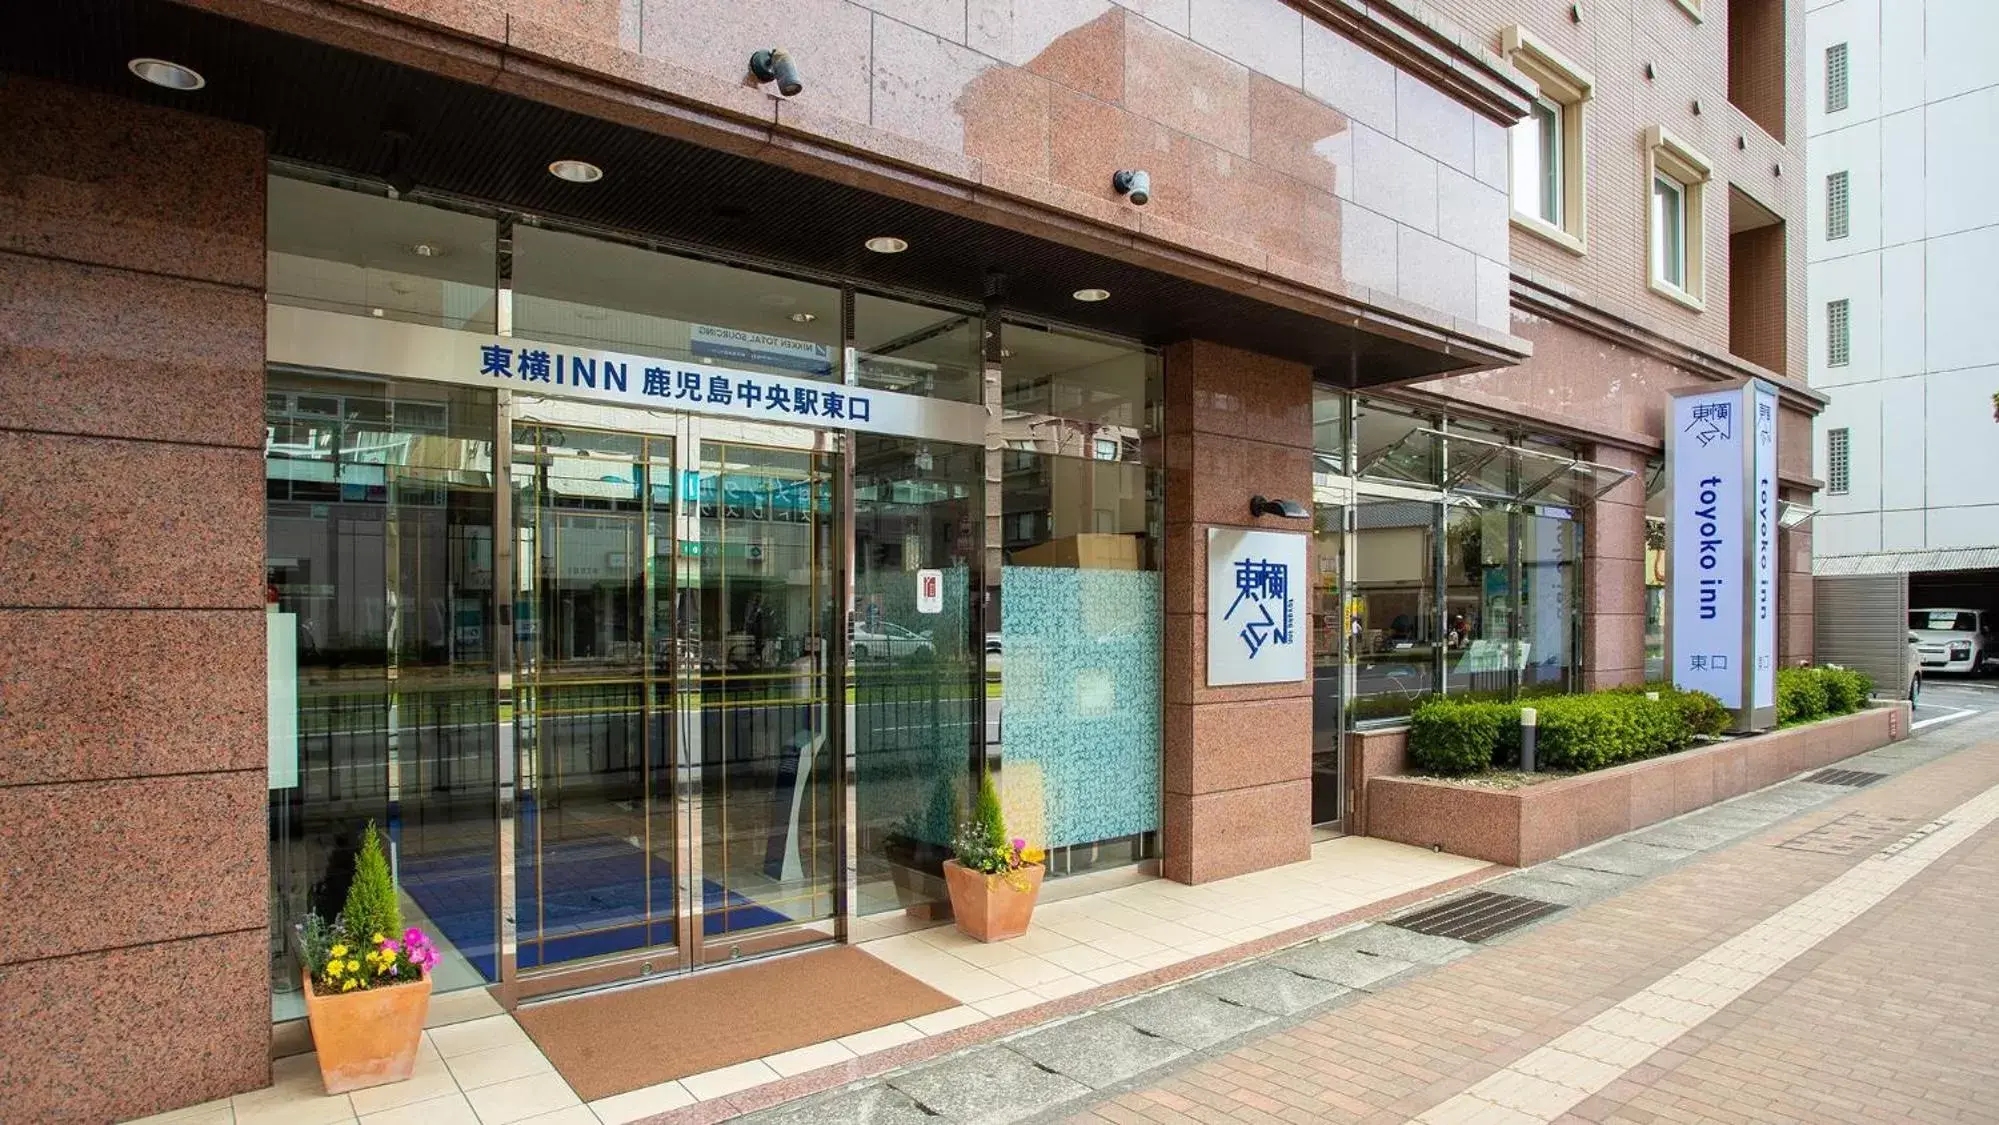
<point>1529,720</point>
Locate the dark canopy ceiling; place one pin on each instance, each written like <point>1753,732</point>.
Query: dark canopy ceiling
<point>328,107</point>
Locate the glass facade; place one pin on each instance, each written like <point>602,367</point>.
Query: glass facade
<point>584,663</point>
<point>1448,560</point>
<point>1080,596</point>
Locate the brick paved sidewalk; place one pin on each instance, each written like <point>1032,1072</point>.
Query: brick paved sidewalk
<point>1890,1018</point>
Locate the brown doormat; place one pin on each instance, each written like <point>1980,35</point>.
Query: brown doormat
<point>617,1041</point>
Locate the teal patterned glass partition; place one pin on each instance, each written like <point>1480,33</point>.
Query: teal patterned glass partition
<point>1082,696</point>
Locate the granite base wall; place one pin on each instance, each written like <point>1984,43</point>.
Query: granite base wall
<point>134,974</point>
<point>1532,824</point>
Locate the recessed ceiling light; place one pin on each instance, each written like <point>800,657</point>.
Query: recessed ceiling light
<point>427,249</point>
<point>1092,294</point>
<point>576,171</point>
<point>805,318</point>
<point>886,244</point>
<point>171,75</point>
<point>1006,353</point>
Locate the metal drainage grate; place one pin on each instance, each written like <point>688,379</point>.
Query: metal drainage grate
<point>1476,916</point>
<point>1854,778</point>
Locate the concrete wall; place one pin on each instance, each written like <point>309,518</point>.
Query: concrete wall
<point>134,973</point>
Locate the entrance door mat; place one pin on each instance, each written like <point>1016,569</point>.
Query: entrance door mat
<point>610,1042</point>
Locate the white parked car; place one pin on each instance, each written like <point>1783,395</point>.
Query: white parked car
<point>886,641</point>
<point>1954,640</point>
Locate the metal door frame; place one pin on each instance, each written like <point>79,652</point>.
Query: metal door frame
<point>689,435</point>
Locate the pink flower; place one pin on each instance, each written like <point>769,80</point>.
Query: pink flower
<point>1019,843</point>
<point>413,936</point>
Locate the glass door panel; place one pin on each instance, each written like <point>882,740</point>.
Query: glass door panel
<point>763,550</point>
<point>916,663</point>
<point>595,860</point>
<point>379,506</point>
<point>1332,625</point>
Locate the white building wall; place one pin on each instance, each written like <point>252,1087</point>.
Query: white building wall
<point>1919,141</point>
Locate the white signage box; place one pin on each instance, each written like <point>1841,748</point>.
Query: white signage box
<point>929,591</point>
<point>1257,617</point>
<point>1721,568</point>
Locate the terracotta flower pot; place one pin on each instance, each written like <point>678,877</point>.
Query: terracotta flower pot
<point>990,907</point>
<point>367,1037</point>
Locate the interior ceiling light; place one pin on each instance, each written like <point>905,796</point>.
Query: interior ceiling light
<point>804,318</point>
<point>171,75</point>
<point>886,244</point>
<point>576,171</point>
<point>427,250</point>
<point>1092,294</point>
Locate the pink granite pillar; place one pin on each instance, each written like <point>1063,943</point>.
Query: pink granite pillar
<point>1614,577</point>
<point>134,968</point>
<point>1238,759</point>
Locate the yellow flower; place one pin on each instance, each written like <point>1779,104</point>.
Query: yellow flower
<point>353,966</point>
<point>338,951</point>
<point>333,968</point>
<point>1032,855</point>
<point>349,986</point>
<point>377,939</point>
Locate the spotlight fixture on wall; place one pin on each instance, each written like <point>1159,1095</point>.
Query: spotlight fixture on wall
<point>775,65</point>
<point>1287,509</point>
<point>1136,183</point>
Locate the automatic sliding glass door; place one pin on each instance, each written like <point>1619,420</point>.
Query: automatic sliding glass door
<point>595,848</point>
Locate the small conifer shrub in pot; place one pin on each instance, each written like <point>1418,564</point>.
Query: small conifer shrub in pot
<point>996,877</point>
<point>367,981</point>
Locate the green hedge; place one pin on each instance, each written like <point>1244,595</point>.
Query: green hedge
<point>1458,735</point>
<point>1808,694</point>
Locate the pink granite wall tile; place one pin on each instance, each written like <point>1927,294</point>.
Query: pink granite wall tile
<point>1300,136</point>
<point>122,523</point>
<point>1186,87</point>
<point>612,22</point>
<point>1211,836</point>
<point>1218,746</point>
<point>91,335</point>
<point>113,693</point>
<point>129,1032</point>
<point>1230,470</point>
<point>1480,823</point>
<point>1005,111</point>
<point>833,41</point>
<point>1078,44</point>
<point>103,864</point>
<point>1694,782</point>
<point>1218,390</point>
<point>90,178</point>
<point>1653,792</point>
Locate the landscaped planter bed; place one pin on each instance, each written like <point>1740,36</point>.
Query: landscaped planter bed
<point>1532,823</point>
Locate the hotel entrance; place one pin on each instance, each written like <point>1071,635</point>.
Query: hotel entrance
<point>672,616</point>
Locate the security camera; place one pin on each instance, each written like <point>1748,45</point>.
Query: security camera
<point>775,65</point>
<point>1136,183</point>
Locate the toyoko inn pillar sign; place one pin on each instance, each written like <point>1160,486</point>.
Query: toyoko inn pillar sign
<point>1721,452</point>
<point>1256,613</point>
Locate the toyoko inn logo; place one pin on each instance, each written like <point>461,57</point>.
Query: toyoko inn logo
<point>1254,580</point>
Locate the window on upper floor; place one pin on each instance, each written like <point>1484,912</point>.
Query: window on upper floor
<point>1835,78</point>
<point>1675,220</point>
<point>1836,209</point>
<point>1838,333</point>
<point>1547,144</point>
<point>1838,461</point>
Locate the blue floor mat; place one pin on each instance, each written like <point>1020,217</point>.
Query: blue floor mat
<point>593,901</point>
